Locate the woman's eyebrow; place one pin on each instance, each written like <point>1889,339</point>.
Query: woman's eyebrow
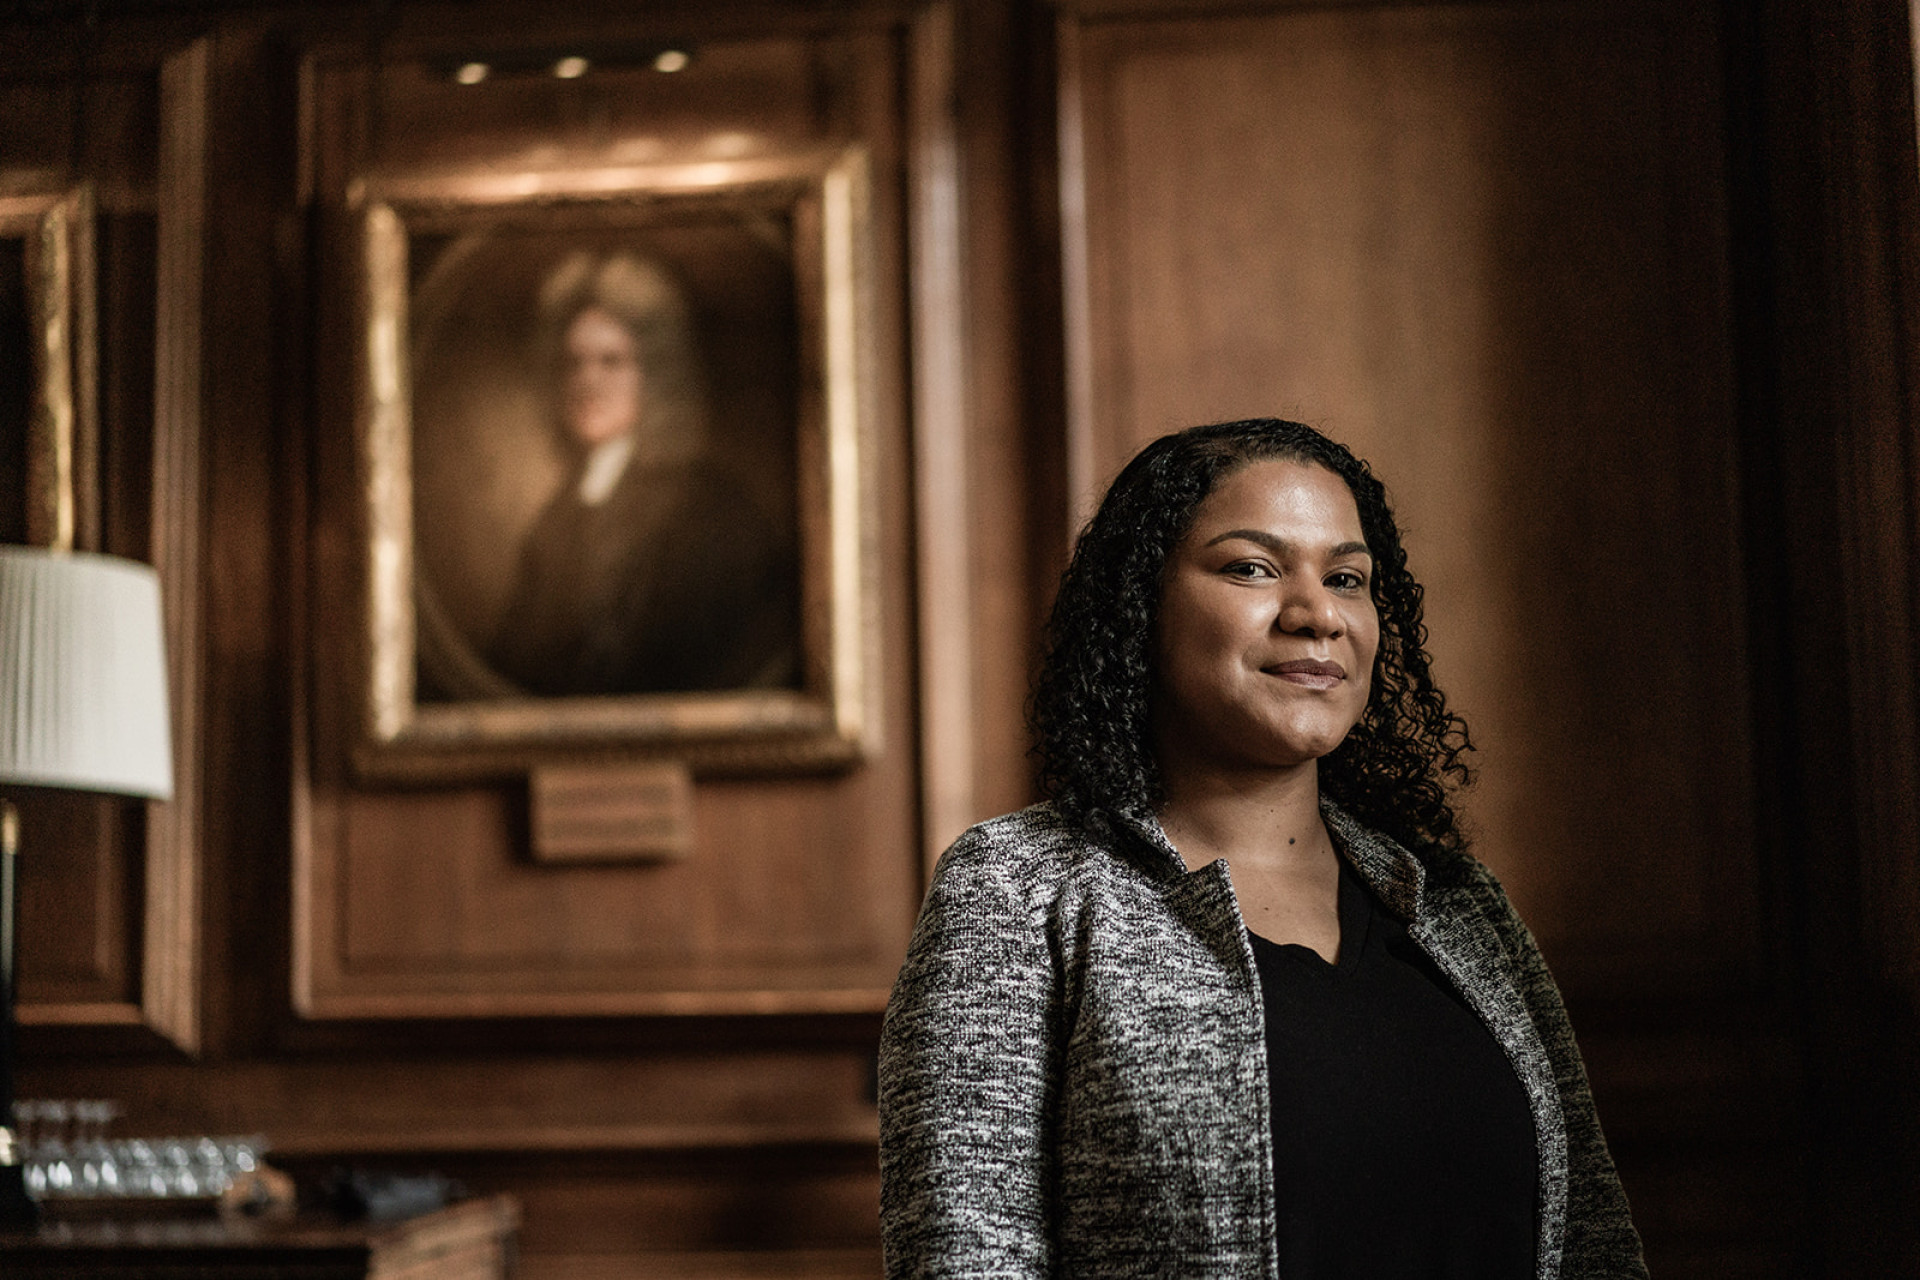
<point>1279,546</point>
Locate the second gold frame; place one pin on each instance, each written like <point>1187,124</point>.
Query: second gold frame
<point>56,234</point>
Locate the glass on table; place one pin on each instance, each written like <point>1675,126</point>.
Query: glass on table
<point>99,1164</point>
<point>50,1151</point>
<point>140,1170</point>
<point>26,1137</point>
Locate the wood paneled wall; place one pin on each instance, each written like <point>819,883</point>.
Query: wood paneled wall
<point>1485,247</point>
<point>1617,298</point>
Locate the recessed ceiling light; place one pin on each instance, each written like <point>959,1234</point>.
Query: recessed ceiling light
<point>671,60</point>
<point>570,68</point>
<point>472,72</point>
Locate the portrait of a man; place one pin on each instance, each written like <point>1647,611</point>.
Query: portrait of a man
<point>604,436</point>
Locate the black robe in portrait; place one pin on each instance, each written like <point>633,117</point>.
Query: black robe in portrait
<point>677,582</point>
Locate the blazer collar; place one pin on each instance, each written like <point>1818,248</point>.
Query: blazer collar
<point>1395,874</point>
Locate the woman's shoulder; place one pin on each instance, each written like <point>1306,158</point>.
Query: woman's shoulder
<point>1466,887</point>
<point>1450,866</point>
<point>1036,853</point>
<point>1033,841</point>
<point>1457,868</point>
<point>1458,871</point>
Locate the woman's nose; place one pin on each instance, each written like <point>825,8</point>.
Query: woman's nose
<point>1308,608</point>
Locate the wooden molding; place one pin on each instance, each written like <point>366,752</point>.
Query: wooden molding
<point>536,1140</point>
<point>1076,281</point>
<point>588,1004</point>
<point>102,1013</point>
<point>170,970</point>
<point>942,417</point>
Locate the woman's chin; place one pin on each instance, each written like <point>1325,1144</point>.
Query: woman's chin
<point>1304,744</point>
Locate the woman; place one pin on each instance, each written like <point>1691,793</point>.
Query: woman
<point>651,569</point>
<point>1237,1001</point>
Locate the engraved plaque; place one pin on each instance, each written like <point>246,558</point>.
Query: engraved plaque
<point>600,813</point>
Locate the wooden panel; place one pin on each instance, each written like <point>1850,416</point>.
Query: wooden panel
<point>424,902</point>
<point>793,1201</point>
<point>109,892</point>
<point>78,927</point>
<point>785,892</point>
<point>1484,247</point>
<point>488,1091</point>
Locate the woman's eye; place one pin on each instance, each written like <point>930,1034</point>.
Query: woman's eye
<point>1346,580</point>
<point>1249,569</point>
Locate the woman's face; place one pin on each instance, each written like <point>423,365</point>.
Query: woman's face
<point>600,378</point>
<point>1267,629</point>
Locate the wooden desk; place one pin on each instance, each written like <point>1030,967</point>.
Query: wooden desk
<point>473,1240</point>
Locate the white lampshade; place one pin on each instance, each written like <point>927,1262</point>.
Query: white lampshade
<point>83,674</point>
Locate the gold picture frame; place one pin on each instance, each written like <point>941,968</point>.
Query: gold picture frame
<point>768,264</point>
<point>56,235</point>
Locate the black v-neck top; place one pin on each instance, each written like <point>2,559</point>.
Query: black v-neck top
<point>1403,1146</point>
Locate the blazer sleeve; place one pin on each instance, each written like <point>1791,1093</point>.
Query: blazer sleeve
<point>1601,1242</point>
<point>968,1074</point>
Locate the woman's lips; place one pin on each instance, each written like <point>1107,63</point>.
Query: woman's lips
<point>1309,673</point>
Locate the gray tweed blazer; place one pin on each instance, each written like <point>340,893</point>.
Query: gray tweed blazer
<point>1073,1073</point>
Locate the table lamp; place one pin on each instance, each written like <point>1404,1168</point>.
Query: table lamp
<point>83,706</point>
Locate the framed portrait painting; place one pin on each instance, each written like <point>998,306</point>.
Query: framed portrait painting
<point>613,437</point>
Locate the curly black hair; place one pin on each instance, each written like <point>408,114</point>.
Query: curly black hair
<point>1090,711</point>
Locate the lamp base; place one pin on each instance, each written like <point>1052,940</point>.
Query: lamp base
<point>18,1212</point>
